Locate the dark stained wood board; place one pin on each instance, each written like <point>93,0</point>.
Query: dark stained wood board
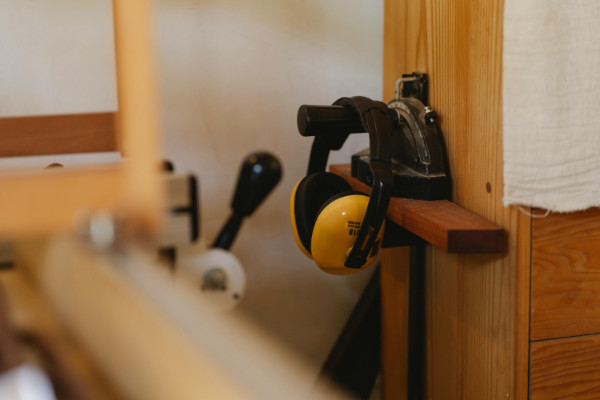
<point>441,222</point>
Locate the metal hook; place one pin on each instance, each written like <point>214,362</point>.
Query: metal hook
<point>403,79</point>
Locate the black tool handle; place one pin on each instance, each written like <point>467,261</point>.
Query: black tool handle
<point>259,174</point>
<point>228,233</point>
<point>328,120</point>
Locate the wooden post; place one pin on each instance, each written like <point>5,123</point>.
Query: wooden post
<point>138,120</point>
<point>473,310</point>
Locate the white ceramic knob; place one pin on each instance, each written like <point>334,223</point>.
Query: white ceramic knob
<point>218,276</point>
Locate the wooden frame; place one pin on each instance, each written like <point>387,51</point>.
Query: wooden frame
<point>143,334</point>
<point>46,202</point>
<point>474,317</point>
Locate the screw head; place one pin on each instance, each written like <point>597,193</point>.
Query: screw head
<point>214,279</point>
<point>430,116</point>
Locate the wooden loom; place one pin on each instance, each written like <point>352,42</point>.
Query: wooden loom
<point>111,323</point>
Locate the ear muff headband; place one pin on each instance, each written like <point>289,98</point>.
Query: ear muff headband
<point>375,120</point>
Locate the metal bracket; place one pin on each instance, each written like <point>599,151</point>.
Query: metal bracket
<point>413,85</point>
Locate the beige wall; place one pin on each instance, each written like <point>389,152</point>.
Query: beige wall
<point>232,75</point>
<point>56,56</point>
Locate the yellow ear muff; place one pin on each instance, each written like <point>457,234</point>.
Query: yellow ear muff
<point>335,232</point>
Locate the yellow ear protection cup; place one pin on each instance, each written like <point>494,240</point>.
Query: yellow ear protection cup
<point>328,235</point>
<point>336,228</point>
<point>326,218</point>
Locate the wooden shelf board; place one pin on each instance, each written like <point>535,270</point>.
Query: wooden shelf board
<point>57,134</point>
<point>440,222</point>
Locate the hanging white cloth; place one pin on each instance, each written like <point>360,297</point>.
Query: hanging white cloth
<point>551,103</point>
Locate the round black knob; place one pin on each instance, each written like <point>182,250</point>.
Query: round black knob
<point>259,174</point>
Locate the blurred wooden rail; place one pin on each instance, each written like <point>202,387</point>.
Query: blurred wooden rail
<point>57,134</point>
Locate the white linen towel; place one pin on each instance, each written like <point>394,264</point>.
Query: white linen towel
<point>551,103</point>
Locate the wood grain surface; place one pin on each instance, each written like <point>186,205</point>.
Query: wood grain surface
<point>565,287</point>
<point>566,368</point>
<point>441,222</point>
<point>473,311</point>
<point>522,305</point>
<point>49,201</point>
<point>57,134</point>
<point>395,265</point>
<point>138,124</point>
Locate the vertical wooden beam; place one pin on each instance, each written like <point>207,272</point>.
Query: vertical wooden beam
<point>405,42</point>
<point>137,119</point>
<point>522,305</point>
<point>394,318</point>
<point>473,309</point>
